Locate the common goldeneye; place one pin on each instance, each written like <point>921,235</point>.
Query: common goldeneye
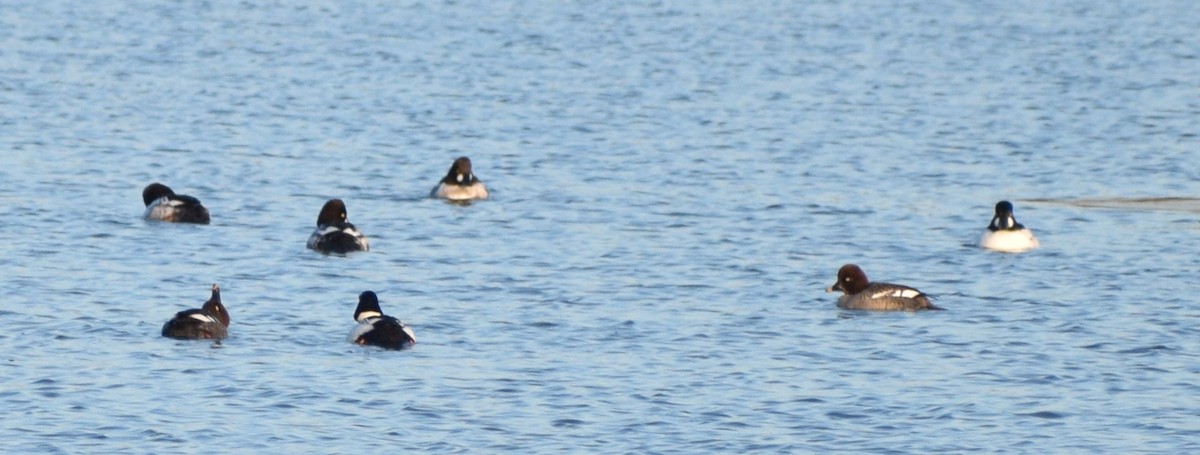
<point>207,322</point>
<point>162,204</point>
<point>861,294</point>
<point>334,234</point>
<point>460,184</point>
<point>377,329</point>
<point>1005,234</point>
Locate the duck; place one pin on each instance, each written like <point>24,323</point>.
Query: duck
<point>209,322</point>
<point>460,183</point>
<point>1005,234</point>
<point>334,234</point>
<point>859,293</point>
<point>377,329</point>
<point>162,204</point>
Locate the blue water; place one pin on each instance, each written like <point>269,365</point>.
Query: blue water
<point>674,185</point>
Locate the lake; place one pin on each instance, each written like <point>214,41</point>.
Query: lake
<point>674,185</point>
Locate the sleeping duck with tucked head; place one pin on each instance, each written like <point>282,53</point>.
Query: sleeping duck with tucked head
<point>162,204</point>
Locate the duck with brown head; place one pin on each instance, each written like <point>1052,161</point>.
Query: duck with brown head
<point>335,233</point>
<point>210,321</point>
<point>859,293</point>
<point>460,183</point>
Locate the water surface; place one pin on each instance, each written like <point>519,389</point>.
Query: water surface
<point>674,186</point>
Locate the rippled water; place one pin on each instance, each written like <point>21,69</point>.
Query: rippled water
<point>674,186</point>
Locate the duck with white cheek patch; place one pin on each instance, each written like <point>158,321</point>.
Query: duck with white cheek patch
<point>460,183</point>
<point>1005,234</point>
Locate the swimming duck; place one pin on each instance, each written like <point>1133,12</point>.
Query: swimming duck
<point>207,322</point>
<point>377,329</point>
<point>861,294</point>
<point>460,184</point>
<point>162,204</point>
<point>334,234</point>
<point>1005,234</point>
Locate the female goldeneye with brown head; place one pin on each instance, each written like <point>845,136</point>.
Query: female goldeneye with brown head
<point>162,204</point>
<point>334,234</point>
<point>207,322</point>
<point>377,329</point>
<point>861,294</point>
<point>460,183</point>
<point>1005,234</point>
